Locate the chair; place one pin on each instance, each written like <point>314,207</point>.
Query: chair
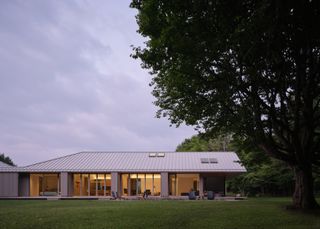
<point>192,195</point>
<point>210,195</point>
<point>114,195</point>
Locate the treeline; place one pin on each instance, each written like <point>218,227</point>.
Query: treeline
<point>265,175</point>
<point>6,159</point>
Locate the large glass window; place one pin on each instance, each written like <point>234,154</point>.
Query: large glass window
<point>92,184</point>
<point>182,184</point>
<point>84,185</point>
<point>44,184</point>
<point>124,184</point>
<point>133,184</point>
<point>136,184</point>
<point>172,185</point>
<point>149,184</point>
<point>156,184</point>
<point>76,184</point>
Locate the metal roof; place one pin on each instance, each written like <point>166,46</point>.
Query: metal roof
<point>137,162</point>
<point>5,165</point>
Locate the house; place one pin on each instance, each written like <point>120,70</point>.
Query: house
<point>95,174</point>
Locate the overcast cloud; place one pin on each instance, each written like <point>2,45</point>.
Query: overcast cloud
<point>67,83</point>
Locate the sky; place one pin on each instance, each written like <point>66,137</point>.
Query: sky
<point>68,83</point>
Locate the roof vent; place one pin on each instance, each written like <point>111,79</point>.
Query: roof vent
<point>152,154</point>
<point>204,160</point>
<point>160,154</point>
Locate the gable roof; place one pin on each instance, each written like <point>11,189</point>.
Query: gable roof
<point>138,162</point>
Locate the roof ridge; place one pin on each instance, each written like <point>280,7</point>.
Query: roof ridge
<point>69,155</point>
<point>157,151</point>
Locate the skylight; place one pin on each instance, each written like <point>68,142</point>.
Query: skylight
<point>213,160</point>
<point>209,160</point>
<point>204,160</point>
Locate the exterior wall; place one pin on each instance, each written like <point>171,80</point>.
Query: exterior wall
<point>24,184</point>
<point>164,184</point>
<point>64,184</point>
<point>201,186</point>
<point>9,184</point>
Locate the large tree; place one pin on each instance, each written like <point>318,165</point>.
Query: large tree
<point>250,67</point>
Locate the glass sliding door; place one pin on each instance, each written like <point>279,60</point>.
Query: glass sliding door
<point>133,184</point>
<point>44,184</point>
<point>156,184</point>
<point>92,184</point>
<point>182,184</point>
<point>172,185</point>
<point>76,185</point>
<point>141,183</point>
<point>136,184</point>
<point>84,190</point>
<point>125,184</point>
<point>149,184</point>
<point>108,184</point>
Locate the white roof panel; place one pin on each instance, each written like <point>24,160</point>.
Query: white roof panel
<point>137,162</point>
<point>4,165</point>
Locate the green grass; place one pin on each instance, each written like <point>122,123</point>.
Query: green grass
<point>252,213</point>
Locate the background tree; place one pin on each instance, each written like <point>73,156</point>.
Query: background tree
<point>250,67</point>
<point>199,144</point>
<point>6,159</point>
<point>265,175</point>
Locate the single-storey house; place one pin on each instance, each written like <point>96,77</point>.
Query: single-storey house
<point>91,174</point>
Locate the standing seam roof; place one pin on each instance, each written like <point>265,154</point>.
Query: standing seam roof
<point>136,162</point>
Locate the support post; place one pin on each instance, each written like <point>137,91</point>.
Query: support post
<point>164,185</point>
<point>201,186</point>
<point>64,184</point>
<point>115,182</point>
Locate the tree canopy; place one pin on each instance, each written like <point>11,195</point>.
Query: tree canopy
<point>6,159</point>
<point>197,144</point>
<point>265,175</point>
<point>248,67</point>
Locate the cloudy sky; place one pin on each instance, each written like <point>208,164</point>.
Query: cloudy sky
<point>68,84</point>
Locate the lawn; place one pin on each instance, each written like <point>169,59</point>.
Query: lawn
<point>252,213</point>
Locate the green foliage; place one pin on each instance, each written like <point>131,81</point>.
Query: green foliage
<point>249,67</point>
<point>265,176</point>
<point>240,65</point>
<point>6,159</point>
<point>197,144</point>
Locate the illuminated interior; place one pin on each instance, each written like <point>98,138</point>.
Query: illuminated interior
<point>137,184</point>
<point>92,184</point>
<point>44,184</point>
<point>182,184</point>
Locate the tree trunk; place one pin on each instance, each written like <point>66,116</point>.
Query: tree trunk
<point>303,196</point>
